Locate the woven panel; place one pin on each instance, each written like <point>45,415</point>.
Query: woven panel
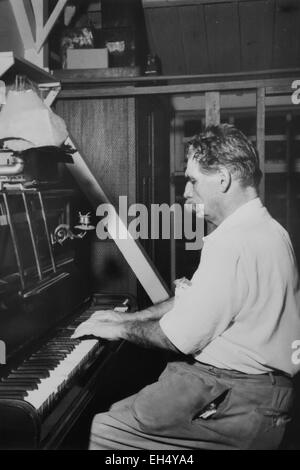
<point>103,130</point>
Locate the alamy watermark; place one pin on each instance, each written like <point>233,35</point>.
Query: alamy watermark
<point>296,353</point>
<point>160,221</point>
<point>2,352</point>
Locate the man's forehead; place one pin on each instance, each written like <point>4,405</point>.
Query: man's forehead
<point>190,151</point>
<point>192,166</point>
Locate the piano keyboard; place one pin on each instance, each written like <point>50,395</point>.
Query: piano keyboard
<point>46,373</point>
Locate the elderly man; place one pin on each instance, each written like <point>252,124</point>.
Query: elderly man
<point>232,326</point>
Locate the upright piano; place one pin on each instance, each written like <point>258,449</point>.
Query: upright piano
<point>47,379</point>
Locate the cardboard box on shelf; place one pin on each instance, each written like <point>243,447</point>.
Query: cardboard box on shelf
<point>87,58</point>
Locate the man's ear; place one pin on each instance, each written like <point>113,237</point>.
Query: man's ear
<point>225,179</point>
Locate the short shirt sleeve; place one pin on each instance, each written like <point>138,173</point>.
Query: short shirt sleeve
<point>206,308</point>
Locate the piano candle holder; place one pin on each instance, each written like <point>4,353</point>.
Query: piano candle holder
<point>63,232</point>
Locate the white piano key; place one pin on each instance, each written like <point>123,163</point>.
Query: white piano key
<point>61,374</point>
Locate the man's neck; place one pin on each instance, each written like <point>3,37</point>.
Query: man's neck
<point>235,200</point>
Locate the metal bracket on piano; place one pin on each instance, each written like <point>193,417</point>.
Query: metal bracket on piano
<point>63,232</point>
<point>41,286</point>
<point>11,186</point>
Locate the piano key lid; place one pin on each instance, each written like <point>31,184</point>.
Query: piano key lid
<point>63,232</point>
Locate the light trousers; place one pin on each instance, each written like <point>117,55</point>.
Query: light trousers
<point>196,406</point>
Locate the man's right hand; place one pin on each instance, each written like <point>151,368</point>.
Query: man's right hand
<point>180,285</point>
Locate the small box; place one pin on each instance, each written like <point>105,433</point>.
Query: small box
<point>87,58</point>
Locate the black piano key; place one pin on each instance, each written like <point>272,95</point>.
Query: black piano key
<point>46,352</point>
<point>12,394</point>
<point>49,357</point>
<point>43,360</point>
<point>65,347</point>
<point>43,373</point>
<point>27,384</point>
<point>50,365</point>
<point>34,377</point>
<point>26,372</point>
<point>53,352</point>
<point>13,387</point>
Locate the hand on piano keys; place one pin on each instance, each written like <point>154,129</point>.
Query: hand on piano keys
<point>44,374</point>
<point>107,315</point>
<point>101,327</point>
<point>98,324</point>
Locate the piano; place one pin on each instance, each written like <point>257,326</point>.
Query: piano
<point>47,379</point>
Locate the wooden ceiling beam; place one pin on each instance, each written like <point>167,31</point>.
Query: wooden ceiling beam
<point>173,3</point>
<point>33,46</point>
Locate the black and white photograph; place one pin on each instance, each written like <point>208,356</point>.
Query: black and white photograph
<point>150,228</point>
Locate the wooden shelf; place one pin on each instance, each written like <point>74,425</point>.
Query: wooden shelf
<point>11,65</point>
<point>89,83</point>
<point>17,65</point>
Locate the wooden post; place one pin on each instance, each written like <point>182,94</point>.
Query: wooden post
<point>289,173</point>
<point>212,108</point>
<point>45,31</point>
<point>260,136</point>
<point>212,118</point>
<point>34,47</point>
<point>173,198</point>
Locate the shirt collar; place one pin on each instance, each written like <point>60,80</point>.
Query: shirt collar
<point>246,212</point>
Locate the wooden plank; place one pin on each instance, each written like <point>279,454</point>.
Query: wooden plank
<point>150,35</point>
<point>174,89</point>
<point>256,26</point>
<point>212,118</point>
<point>38,10</point>
<point>173,148</point>
<point>260,136</point>
<point>50,23</point>
<point>22,23</point>
<point>290,169</point>
<point>165,31</point>
<point>212,108</point>
<point>6,61</point>
<point>51,96</point>
<point>222,24</point>
<point>194,39</point>
<point>170,3</point>
<point>95,75</point>
<point>286,43</point>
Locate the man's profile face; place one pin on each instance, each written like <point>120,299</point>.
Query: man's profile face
<point>201,187</point>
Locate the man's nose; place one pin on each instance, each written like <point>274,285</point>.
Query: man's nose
<point>188,190</point>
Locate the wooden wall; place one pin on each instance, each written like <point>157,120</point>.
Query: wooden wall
<point>213,36</point>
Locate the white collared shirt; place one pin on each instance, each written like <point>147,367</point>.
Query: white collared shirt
<point>242,310</point>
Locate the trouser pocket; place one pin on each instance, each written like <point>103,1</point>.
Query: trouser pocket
<point>176,400</point>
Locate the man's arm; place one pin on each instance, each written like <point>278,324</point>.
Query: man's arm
<point>155,312</point>
<point>146,333</point>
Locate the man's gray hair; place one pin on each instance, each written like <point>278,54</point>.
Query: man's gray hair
<point>225,145</point>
